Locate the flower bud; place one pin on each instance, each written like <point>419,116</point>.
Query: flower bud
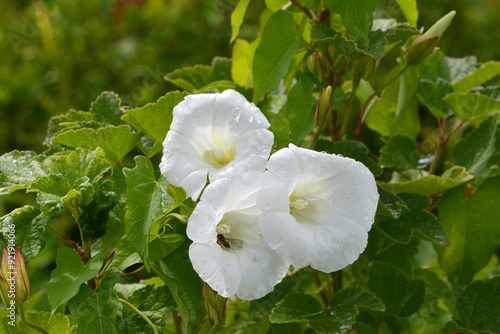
<point>316,65</point>
<point>417,53</point>
<point>363,66</point>
<point>437,29</point>
<point>215,306</point>
<point>14,281</point>
<point>324,105</point>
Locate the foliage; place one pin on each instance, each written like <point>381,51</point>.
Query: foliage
<point>330,76</point>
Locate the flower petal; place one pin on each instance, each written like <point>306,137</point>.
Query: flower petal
<point>274,194</point>
<point>284,164</point>
<point>219,268</point>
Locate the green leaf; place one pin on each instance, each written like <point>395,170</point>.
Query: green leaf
<point>280,127</point>
<point>196,78</point>
<point>409,8</point>
<point>125,255</point>
<point>154,118</point>
<point>95,215</point>
<point>274,53</point>
<point>429,227</point>
<point>115,141</point>
<point>53,191</point>
<point>184,284</point>
<point>400,296</point>
<point>106,108</point>
<point>351,149</point>
<point>30,233</point>
<point>51,322</point>
<point>67,121</point>
<point>471,223</point>
<point>19,169</point>
<point>478,306</point>
<point>357,16</point>
<point>431,95</point>
<point>162,245</point>
<point>144,196</point>
<point>78,164</point>
<point>275,5</point>
<point>476,149</point>
<point>470,106</point>
<point>301,109</point>
<point>486,72</point>
<point>69,274</point>
<point>400,152</point>
<point>154,302</point>
<point>396,113</point>
<point>241,70</point>
<point>339,318</point>
<point>237,18</point>
<point>389,205</point>
<point>430,184</point>
<point>96,312</point>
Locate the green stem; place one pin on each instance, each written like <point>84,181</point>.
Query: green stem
<point>303,9</point>
<point>337,281</point>
<point>176,320</point>
<point>138,312</point>
<point>346,113</point>
<point>29,324</point>
<point>317,281</point>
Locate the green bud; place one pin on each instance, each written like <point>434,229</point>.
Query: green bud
<point>215,306</point>
<point>417,53</point>
<point>14,281</point>
<point>324,106</point>
<point>311,62</point>
<point>364,66</point>
<point>437,29</point>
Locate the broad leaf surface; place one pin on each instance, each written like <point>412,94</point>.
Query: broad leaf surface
<point>301,110</point>
<point>96,312</point>
<point>30,232</point>
<point>468,106</point>
<point>144,194</point>
<point>19,169</point>
<point>69,274</point>
<point>472,226</point>
<point>274,53</point>
<point>184,284</point>
<point>106,108</point>
<point>409,8</point>
<point>154,118</point>
<point>399,152</point>
<point>53,323</point>
<point>237,18</point>
<point>485,72</point>
<point>357,16</point>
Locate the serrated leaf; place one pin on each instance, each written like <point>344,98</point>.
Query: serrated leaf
<point>278,45</point>
<point>430,184</point>
<point>470,106</point>
<point>96,312</point>
<point>184,284</point>
<point>339,318</point>
<point>237,18</point>
<point>478,306</point>
<point>154,118</point>
<point>19,169</point>
<point>472,226</point>
<point>400,152</point>
<point>389,205</point>
<point>351,149</point>
<point>154,302</point>
<point>69,274</point>
<point>357,16</point>
<point>51,322</point>
<point>322,33</point>
<point>301,110</point>
<point>476,149</point>
<point>106,108</point>
<point>431,95</point>
<point>66,121</point>
<point>409,8</point>
<point>399,295</point>
<point>144,194</point>
<point>30,233</point>
<point>53,191</point>
<point>115,141</point>
<point>485,72</point>
<point>427,224</point>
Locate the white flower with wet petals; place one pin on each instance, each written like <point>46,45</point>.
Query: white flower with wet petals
<point>228,249</point>
<point>317,208</point>
<point>214,134</point>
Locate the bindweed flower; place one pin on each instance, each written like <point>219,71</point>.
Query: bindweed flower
<point>214,134</point>
<point>14,278</point>
<point>317,208</point>
<point>228,250</point>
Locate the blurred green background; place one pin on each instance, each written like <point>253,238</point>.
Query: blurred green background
<point>57,55</point>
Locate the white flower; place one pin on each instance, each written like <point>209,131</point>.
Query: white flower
<point>228,250</point>
<point>214,134</point>
<point>317,208</point>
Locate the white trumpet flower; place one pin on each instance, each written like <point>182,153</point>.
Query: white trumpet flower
<point>214,134</point>
<point>228,249</point>
<point>317,208</point>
